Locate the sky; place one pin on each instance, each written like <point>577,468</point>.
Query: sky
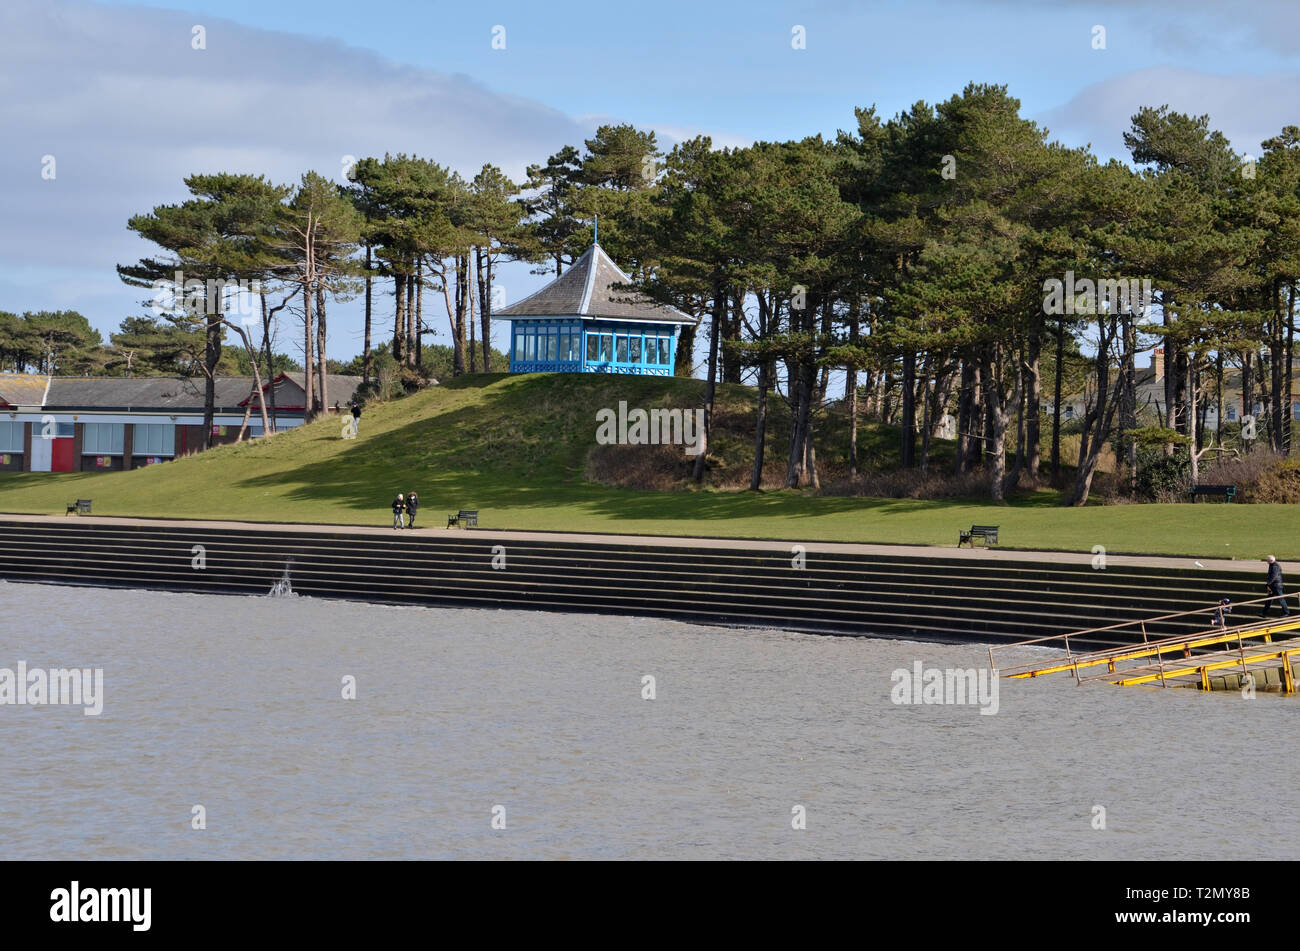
<point>105,107</point>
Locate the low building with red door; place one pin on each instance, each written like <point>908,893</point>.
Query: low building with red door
<point>80,424</point>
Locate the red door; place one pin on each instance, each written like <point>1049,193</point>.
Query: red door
<point>61,455</point>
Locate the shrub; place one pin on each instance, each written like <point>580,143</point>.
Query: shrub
<point>1163,478</point>
<point>1280,483</point>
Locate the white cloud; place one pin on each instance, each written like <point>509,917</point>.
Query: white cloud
<point>1246,109</point>
<point>128,108</point>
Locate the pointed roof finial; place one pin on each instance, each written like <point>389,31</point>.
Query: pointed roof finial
<point>595,234</point>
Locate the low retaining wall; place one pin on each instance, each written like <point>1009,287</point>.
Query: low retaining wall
<point>835,592</point>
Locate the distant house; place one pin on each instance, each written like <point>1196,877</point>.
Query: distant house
<point>582,322</point>
<point>80,424</point>
<point>1149,387</point>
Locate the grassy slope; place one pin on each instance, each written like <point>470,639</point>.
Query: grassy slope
<point>515,447</point>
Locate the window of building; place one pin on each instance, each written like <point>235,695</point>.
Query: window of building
<point>1295,410</point>
<point>664,343</point>
<point>153,439</point>
<point>622,349</point>
<point>552,341</point>
<point>606,347</point>
<point>11,437</point>
<point>593,347</point>
<point>1232,412</point>
<point>634,349</point>
<point>530,346</point>
<point>519,345</point>
<point>1069,412</point>
<point>102,439</point>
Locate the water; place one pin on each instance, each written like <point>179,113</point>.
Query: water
<point>235,704</point>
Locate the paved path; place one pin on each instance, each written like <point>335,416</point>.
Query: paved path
<point>677,541</point>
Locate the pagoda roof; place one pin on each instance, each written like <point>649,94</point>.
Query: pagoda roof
<point>589,289</point>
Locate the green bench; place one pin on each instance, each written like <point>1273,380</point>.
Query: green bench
<point>1227,491</point>
<point>987,532</point>
<point>465,518</point>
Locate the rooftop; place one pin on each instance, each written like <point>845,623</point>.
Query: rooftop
<point>145,392</point>
<point>589,289</point>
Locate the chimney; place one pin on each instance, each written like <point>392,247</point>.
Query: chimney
<point>1158,362</point>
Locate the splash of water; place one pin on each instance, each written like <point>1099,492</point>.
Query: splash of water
<point>282,588</point>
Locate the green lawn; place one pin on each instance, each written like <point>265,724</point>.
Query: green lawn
<point>516,448</point>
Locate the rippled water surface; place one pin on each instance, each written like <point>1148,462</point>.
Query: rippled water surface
<point>235,703</point>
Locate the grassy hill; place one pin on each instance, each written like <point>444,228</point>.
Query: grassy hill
<point>522,450</point>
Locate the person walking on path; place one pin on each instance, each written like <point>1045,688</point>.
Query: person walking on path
<point>356,416</point>
<point>412,506</point>
<point>1274,586</point>
<point>399,509</point>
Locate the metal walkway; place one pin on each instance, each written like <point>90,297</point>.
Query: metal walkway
<point>1214,657</point>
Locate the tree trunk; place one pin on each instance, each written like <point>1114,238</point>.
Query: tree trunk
<point>1033,405</point>
<point>719,314</point>
<point>322,362</point>
<point>309,349</point>
<point>484,266</point>
<point>1056,401</point>
<point>408,356</point>
<point>1218,398</point>
<point>1276,365</point>
<point>1193,448</point>
<point>1290,352</point>
<point>999,412</point>
<point>851,393</point>
<point>760,422</point>
<point>975,448</point>
<point>964,414</point>
<point>257,391</point>
<point>419,314</point>
<point>270,362</point>
<point>399,314</point>
<point>211,357</point>
<point>907,426</point>
<point>472,294</point>
<point>366,355</point>
<point>458,324</point>
<point>684,358</point>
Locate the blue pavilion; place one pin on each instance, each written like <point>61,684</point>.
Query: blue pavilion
<point>584,322</point>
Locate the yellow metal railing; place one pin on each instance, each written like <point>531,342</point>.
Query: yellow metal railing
<point>1181,645</point>
<point>1208,635</point>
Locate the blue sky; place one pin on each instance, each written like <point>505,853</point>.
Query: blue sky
<point>116,93</point>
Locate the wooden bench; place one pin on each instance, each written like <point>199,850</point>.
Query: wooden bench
<point>1227,491</point>
<point>987,532</point>
<point>81,507</point>
<point>465,518</point>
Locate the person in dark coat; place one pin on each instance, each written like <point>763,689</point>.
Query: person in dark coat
<point>412,506</point>
<point>356,416</point>
<point>399,509</point>
<point>1274,586</point>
